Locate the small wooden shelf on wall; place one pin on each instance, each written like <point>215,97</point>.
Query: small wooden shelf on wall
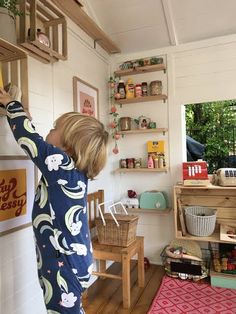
<point>40,14</point>
<point>143,131</point>
<point>140,99</point>
<point>74,11</point>
<point>141,69</point>
<point>128,170</point>
<point>14,69</point>
<point>153,211</point>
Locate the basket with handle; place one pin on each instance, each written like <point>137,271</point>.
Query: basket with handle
<point>116,229</point>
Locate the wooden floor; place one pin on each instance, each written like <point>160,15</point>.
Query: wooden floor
<point>105,295</point>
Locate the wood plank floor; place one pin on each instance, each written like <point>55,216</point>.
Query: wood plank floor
<point>105,295</point>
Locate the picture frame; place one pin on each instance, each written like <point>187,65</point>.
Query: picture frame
<point>17,189</point>
<point>85,98</point>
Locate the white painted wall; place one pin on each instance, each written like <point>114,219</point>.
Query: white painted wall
<point>196,72</point>
<point>50,94</point>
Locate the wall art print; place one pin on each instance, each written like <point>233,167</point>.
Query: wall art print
<point>85,98</point>
<point>17,187</point>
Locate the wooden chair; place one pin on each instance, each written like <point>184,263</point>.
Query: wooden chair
<point>102,252</point>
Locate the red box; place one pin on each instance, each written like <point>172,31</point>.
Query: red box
<point>194,170</point>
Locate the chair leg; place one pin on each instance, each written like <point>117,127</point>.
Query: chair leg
<point>141,278</point>
<point>126,281</point>
<point>102,267</point>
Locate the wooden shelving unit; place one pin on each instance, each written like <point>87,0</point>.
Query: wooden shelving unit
<point>73,10</point>
<point>128,170</point>
<point>41,14</point>
<point>140,99</point>
<point>141,69</point>
<point>221,198</point>
<point>143,131</point>
<point>15,69</point>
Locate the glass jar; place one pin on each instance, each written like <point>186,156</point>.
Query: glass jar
<point>144,89</point>
<point>155,88</point>
<point>121,89</point>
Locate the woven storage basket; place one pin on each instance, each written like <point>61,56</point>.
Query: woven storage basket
<point>111,234</point>
<point>200,221</point>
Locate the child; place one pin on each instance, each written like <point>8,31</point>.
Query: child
<point>74,151</point>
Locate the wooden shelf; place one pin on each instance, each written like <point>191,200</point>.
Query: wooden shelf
<point>141,99</point>
<point>73,10</point>
<point>154,211</point>
<point>221,198</point>
<point>10,52</point>
<point>40,14</point>
<point>127,170</point>
<point>140,131</point>
<point>140,70</point>
<point>14,69</point>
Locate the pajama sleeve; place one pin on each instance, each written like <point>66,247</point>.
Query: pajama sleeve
<point>50,160</point>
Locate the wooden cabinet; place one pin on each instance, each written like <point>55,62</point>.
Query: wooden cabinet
<point>223,199</point>
<point>149,102</point>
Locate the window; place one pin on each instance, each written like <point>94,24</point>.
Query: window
<point>211,133</point>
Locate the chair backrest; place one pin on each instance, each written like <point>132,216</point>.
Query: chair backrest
<point>93,199</point>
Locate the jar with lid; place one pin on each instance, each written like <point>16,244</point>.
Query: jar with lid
<point>155,88</point>
<point>138,90</point>
<point>129,89</point>
<point>121,89</point>
<point>144,89</point>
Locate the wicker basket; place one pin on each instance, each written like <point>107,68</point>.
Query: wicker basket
<point>111,234</point>
<point>200,221</point>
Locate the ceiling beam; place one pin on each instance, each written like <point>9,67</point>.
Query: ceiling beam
<point>170,22</point>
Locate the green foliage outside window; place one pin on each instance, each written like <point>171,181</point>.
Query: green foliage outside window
<point>214,125</point>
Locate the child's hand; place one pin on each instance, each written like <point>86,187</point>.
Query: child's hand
<point>5,98</point>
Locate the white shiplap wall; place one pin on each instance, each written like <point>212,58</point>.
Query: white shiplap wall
<point>196,72</point>
<point>50,94</point>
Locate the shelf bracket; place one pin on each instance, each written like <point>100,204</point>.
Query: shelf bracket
<point>95,42</point>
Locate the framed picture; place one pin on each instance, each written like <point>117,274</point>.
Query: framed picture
<point>85,98</point>
<point>17,187</point>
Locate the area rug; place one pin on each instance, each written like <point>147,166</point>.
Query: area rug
<point>176,296</point>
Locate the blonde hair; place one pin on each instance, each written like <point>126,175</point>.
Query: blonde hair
<point>85,139</point>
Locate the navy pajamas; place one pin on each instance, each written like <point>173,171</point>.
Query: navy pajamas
<point>59,217</point>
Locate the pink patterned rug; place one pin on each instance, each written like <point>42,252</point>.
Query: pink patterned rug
<point>177,296</point>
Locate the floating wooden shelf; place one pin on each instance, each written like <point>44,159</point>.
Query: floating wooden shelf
<point>141,99</point>
<point>127,170</point>
<point>140,70</point>
<point>40,14</point>
<point>73,10</point>
<point>14,69</point>
<point>140,131</point>
<point>154,211</point>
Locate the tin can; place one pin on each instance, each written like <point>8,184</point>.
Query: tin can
<point>138,90</point>
<point>130,163</point>
<point>123,163</point>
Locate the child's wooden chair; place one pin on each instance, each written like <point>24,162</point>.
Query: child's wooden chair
<point>102,252</point>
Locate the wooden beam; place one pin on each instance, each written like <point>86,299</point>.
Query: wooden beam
<point>73,10</point>
<point>170,22</point>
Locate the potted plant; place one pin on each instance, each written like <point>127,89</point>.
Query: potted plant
<point>8,12</point>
